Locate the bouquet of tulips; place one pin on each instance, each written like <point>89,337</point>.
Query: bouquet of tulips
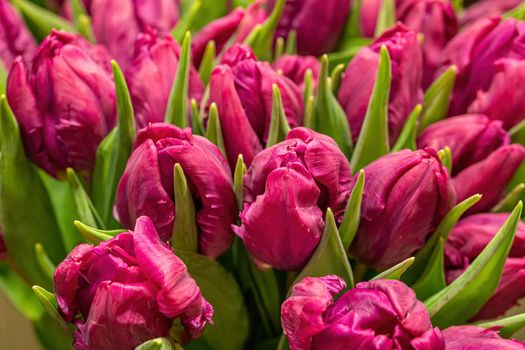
<point>267,174</point>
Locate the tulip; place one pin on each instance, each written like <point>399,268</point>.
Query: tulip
<point>405,93</point>
<point>3,247</point>
<point>318,24</point>
<point>471,138</point>
<point>486,8</point>
<point>287,189</point>
<point>146,187</point>
<point>65,104</point>
<point>294,67</point>
<point>155,62</point>
<point>15,38</point>
<point>489,177</point>
<point>408,193</point>
<point>234,27</point>
<point>382,314</point>
<point>128,290</point>
<point>242,89</point>
<point>117,23</point>
<point>477,338</point>
<point>468,239</point>
<point>488,56</point>
<point>369,12</point>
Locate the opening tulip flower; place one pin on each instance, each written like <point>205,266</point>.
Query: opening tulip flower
<point>477,338</point>
<point>128,290</point>
<point>64,102</point>
<point>146,187</point>
<point>15,38</point>
<point>287,189</point>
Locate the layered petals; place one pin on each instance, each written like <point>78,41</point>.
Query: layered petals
<point>477,338</point>
<point>15,38</point>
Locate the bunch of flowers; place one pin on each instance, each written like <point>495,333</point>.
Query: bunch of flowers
<point>267,174</point>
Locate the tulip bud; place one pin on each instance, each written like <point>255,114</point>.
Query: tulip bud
<point>65,104</point>
<point>471,138</point>
<point>489,177</point>
<point>318,24</point>
<point>383,314</point>
<point>128,290</point>
<point>15,38</point>
<point>287,189</point>
<point>155,62</point>
<point>368,14</point>
<point>405,92</point>
<point>485,9</point>
<point>117,23</point>
<point>408,192</point>
<point>473,337</point>
<point>294,67</point>
<point>468,239</point>
<point>146,187</point>
<point>242,89</point>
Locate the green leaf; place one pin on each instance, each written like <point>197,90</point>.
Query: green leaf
<point>445,155</point>
<point>433,278</point>
<point>437,98</point>
<point>197,128</point>
<point>330,256</point>
<point>510,200</point>
<point>335,77</point>
<point>51,335</point>
<point>214,131</point>
<point>291,43</point>
<point>3,78</point>
<point>517,133</point>
<point>41,21</point>
<point>261,37</point>
<point>46,265</point>
<point>177,109</point>
<point>24,197</point>
<point>82,20</point>
<point>238,181</point>
<point>395,272</point>
<point>207,62</point>
<point>442,231</point>
<point>209,11</point>
<point>465,296</point>
<point>230,327</point>
<point>156,344</point>
<point>85,208</point>
<point>278,124</point>
<point>94,235</point>
<point>329,117</point>
<point>386,17</point>
<point>279,48</point>
<point>309,87</point>
<point>350,223</point>
<point>309,113</point>
<point>407,138</point>
<point>458,5</point>
<point>19,294</point>
<point>345,56</point>
<point>185,22</point>
<point>518,12</point>
<point>352,27</point>
<point>373,142</point>
<point>49,302</point>
<point>185,236</point>
<point>509,325</point>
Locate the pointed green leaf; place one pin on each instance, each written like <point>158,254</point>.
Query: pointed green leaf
<point>50,305</point>
<point>238,182</point>
<point>510,200</point>
<point>279,48</point>
<point>278,124</point>
<point>261,37</point>
<point>81,20</point>
<point>185,22</point>
<point>46,265</point>
<point>291,43</point>
<point>156,344</point>
<point>350,223</point>
<point>395,272</point>
<point>93,235</point>
<point>41,21</point>
<point>230,321</point>
<point>16,290</point>
<point>509,325</point>
<point>464,297</point>
<point>214,132</point>
<point>442,231</point>
<point>309,112</point>
<point>352,27</point>
<point>517,133</point>
<point>437,98</point>
<point>329,117</point>
<point>373,142</point>
<point>3,78</point>
<point>21,194</point>
<point>335,77</point>
<point>85,208</point>
<point>185,236</point>
<point>445,155</point>
<point>386,17</point>
<point>330,256</point>
<point>432,279</point>
<point>207,62</point>
<point>458,5</point>
<point>407,138</point>
<point>352,48</point>
<point>309,89</point>
<point>518,12</point>
<point>177,109</point>
<point>51,335</point>
<point>196,123</point>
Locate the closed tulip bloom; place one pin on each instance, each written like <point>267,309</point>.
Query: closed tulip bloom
<point>383,314</point>
<point>155,61</point>
<point>486,8</point>
<point>477,338</point>
<point>15,38</point>
<point>128,290</point>
<point>318,24</point>
<point>117,23</point>
<point>471,138</point>
<point>489,177</point>
<point>64,104</point>
<point>287,190</point>
<point>242,89</point>
<point>468,239</point>
<point>294,67</point>
<point>146,187</point>
<point>368,17</point>
<point>405,93</point>
<point>408,193</point>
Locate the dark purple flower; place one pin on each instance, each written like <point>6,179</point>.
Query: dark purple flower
<point>486,8</point>
<point>294,67</point>
<point>477,338</point>
<point>15,38</point>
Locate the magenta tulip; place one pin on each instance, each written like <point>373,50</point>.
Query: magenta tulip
<point>65,103</point>
<point>486,8</point>
<point>15,38</point>
<point>146,187</point>
<point>128,290</point>
<point>477,338</point>
<point>287,189</point>
<point>383,314</point>
<point>294,67</point>
<point>408,193</point>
